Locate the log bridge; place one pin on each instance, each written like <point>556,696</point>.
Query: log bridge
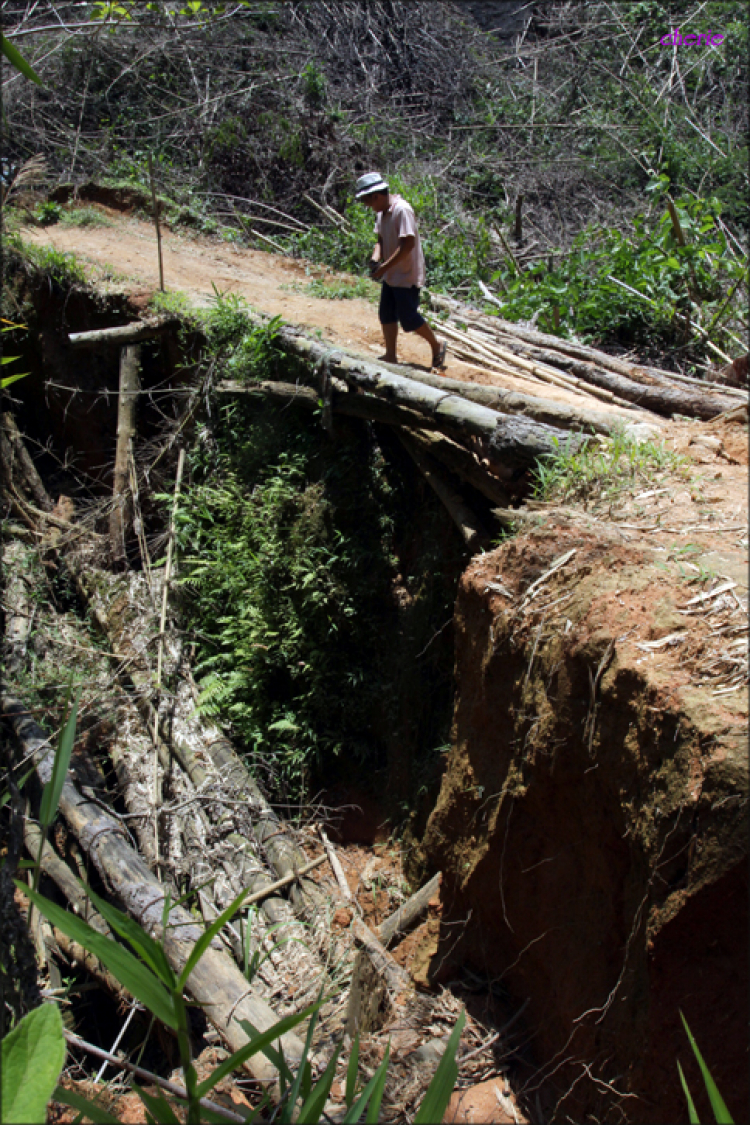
<point>468,441</point>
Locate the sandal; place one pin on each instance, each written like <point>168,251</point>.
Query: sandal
<point>438,360</point>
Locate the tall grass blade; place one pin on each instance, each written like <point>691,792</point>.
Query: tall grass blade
<point>312,1110</point>
<point>143,944</point>
<point>207,937</point>
<point>157,1106</point>
<point>354,1113</point>
<point>16,59</point>
<point>131,973</point>
<point>351,1072</point>
<point>718,1105</point>
<point>54,787</point>
<point>259,1041</point>
<point>693,1116</point>
<point>440,1089</point>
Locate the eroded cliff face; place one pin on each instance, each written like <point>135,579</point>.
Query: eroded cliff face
<point>592,823</point>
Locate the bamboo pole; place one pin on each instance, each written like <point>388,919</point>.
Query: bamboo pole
<point>156,221</point>
<point>121,514</point>
<point>160,651</point>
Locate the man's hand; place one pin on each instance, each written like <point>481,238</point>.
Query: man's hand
<point>379,271</point>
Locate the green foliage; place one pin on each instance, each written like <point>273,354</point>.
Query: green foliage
<point>636,288</point>
<point>53,788</point>
<point>285,558</point>
<point>47,212</point>
<point>32,1056</point>
<point>60,266</point>
<point>10,379</point>
<point>34,1052</point>
<point>340,290</point>
<point>722,1115</point>
<point>84,217</point>
<point>247,349</point>
<point>601,469</point>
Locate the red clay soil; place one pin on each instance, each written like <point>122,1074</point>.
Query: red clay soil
<point>592,823</point>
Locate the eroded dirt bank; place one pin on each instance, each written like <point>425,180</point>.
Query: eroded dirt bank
<point>592,823</point>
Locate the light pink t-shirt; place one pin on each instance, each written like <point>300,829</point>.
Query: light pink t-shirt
<point>398,222</point>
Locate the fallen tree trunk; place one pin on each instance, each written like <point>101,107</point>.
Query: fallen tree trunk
<point>518,442</point>
<point>602,370</point>
<point>354,405</point>
<point>461,462</point>
<point>400,921</point>
<point>14,456</point>
<point>216,983</point>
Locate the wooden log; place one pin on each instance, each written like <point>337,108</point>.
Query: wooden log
<point>593,366</point>
<point>57,869</point>
<point>354,405</point>
<point>461,462</point>
<point>406,915</point>
<point>546,411</point>
<point>121,515</point>
<point>518,442</point>
<point>18,463</point>
<point>397,979</point>
<point>216,983</point>
<point>469,527</point>
<point>124,334</point>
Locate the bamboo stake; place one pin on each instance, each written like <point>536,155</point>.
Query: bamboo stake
<point>130,385</point>
<point>156,222</point>
<point>160,650</point>
<point>335,865</point>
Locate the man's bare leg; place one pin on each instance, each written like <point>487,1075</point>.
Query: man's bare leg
<point>390,335</point>
<point>427,334</point>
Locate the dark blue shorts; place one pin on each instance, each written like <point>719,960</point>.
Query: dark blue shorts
<point>402,306</point>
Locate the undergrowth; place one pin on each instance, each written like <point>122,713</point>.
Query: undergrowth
<point>604,470</point>
<point>285,563</point>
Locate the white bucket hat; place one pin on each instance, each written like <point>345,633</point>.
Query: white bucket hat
<point>368,184</point>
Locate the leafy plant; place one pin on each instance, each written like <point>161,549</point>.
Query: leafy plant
<point>145,971</point>
<point>84,217</point>
<point>10,379</point>
<point>32,1056</point>
<point>722,1115</point>
<point>47,212</point>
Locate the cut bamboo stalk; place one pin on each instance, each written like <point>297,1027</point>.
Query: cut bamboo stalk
<point>406,915</point>
<point>216,983</point>
<point>156,222</point>
<point>121,514</point>
<point>336,867</point>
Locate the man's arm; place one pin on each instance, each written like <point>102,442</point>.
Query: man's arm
<point>406,244</point>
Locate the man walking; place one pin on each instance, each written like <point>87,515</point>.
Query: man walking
<point>397,260</point>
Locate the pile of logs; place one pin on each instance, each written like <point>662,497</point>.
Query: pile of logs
<point>193,817</point>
